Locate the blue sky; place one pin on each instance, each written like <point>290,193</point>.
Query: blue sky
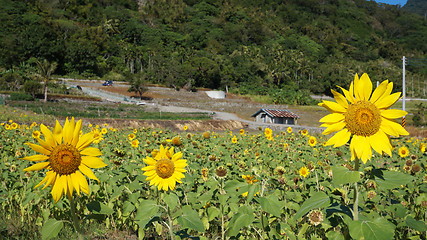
<point>393,2</point>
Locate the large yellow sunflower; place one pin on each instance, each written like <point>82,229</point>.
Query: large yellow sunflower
<point>67,157</point>
<point>364,115</point>
<point>165,169</point>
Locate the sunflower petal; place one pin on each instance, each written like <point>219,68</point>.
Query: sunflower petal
<point>91,151</point>
<point>57,132</point>
<point>393,113</point>
<point>392,128</point>
<point>70,186</point>
<point>93,162</point>
<point>334,128</point>
<point>85,141</point>
<point>59,187</point>
<point>172,184</point>
<point>347,95</point>
<point>48,135</point>
<point>380,142</point>
<point>44,144</point>
<point>386,102</point>
<point>340,138</point>
<point>358,149</point>
<point>150,168</point>
<point>43,181</point>
<point>36,158</point>
<point>88,172</point>
<point>83,185</point>
<point>67,131</point>
<point>52,178</point>
<point>379,91</point>
<point>333,107</point>
<point>352,148</point>
<point>37,166</point>
<point>351,90</point>
<point>356,89</point>
<point>76,132</point>
<point>387,92</point>
<point>177,156</point>
<point>39,148</point>
<point>367,150</point>
<point>365,87</point>
<point>150,161</point>
<point>165,186</point>
<point>76,182</point>
<point>332,118</point>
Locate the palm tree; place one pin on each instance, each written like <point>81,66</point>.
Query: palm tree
<point>45,70</point>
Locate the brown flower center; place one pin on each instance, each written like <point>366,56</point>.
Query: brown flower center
<point>165,168</point>
<point>65,159</point>
<point>363,118</point>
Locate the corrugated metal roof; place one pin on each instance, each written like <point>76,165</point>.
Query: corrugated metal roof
<point>277,113</point>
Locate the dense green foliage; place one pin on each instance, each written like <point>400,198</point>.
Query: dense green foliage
<point>249,46</point>
<point>416,6</point>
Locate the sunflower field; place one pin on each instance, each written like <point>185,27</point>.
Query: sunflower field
<point>230,185</point>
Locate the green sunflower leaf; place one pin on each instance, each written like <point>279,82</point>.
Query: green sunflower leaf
<point>271,204</point>
<point>171,200</point>
<point>318,200</point>
<point>51,228</point>
<point>128,208</point>
<point>190,219</point>
<point>99,208</point>
<point>415,224</point>
<point>147,210</point>
<point>243,218</point>
<point>342,175</point>
<point>376,229</point>
<point>391,179</point>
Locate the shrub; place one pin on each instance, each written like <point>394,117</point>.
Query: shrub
<point>32,87</point>
<point>21,96</point>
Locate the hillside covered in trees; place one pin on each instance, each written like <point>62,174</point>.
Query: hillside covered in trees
<point>416,6</point>
<point>251,46</point>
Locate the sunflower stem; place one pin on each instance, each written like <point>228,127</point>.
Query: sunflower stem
<point>75,219</point>
<point>317,181</point>
<point>170,224</point>
<point>356,194</point>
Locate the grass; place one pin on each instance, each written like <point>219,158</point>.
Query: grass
<point>99,111</point>
<point>8,113</point>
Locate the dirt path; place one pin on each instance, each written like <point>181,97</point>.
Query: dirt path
<point>232,108</point>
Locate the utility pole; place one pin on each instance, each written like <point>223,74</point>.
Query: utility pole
<point>403,83</point>
<point>403,90</point>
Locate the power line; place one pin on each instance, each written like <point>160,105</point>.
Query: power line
<point>417,62</point>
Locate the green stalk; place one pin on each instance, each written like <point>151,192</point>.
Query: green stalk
<point>317,181</point>
<point>170,224</point>
<point>75,219</point>
<point>222,223</point>
<point>356,194</point>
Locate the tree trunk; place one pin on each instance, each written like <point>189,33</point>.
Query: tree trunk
<point>45,92</point>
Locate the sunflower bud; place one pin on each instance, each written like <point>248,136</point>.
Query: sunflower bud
<point>221,172</point>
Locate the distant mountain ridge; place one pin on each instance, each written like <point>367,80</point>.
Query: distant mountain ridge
<point>281,48</point>
<point>416,6</point>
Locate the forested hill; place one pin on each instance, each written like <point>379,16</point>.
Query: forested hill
<point>417,6</point>
<point>251,46</point>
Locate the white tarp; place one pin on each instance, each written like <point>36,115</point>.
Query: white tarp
<point>216,94</point>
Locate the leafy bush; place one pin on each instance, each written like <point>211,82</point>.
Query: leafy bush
<point>290,95</point>
<point>20,96</point>
<point>10,81</point>
<point>32,87</point>
<point>419,115</point>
